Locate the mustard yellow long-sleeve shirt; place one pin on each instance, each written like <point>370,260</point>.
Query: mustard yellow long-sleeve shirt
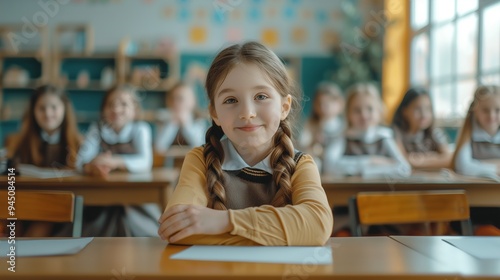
<point>307,221</point>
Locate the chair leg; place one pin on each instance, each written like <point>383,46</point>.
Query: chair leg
<point>78,218</point>
<point>353,218</point>
<point>466,227</point>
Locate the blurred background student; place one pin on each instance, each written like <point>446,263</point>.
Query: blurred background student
<point>49,138</point>
<point>325,122</point>
<point>424,145</point>
<point>182,124</point>
<point>118,142</point>
<point>478,151</point>
<point>367,148</point>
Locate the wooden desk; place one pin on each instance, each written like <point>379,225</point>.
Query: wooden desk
<point>480,192</point>
<point>468,266</point>
<point>118,188</point>
<point>149,258</point>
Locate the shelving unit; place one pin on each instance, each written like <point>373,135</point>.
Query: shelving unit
<point>153,75</point>
<point>24,65</point>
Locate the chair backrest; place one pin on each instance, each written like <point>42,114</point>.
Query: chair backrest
<point>377,208</point>
<point>49,206</point>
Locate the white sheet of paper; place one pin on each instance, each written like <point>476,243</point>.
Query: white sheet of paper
<point>45,247</point>
<point>479,247</point>
<point>28,170</point>
<point>260,254</point>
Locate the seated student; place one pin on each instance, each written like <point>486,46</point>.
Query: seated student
<point>182,126</point>
<point>367,149</point>
<point>118,142</point>
<point>49,138</point>
<point>248,185</point>
<point>413,122</point>
<point>477,151</point>
<point>325,122</point>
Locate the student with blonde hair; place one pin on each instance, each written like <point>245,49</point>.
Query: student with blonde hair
<point>477,151</point>
<point>367,148</point>
<point>248,185</point>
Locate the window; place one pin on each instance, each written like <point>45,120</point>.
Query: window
<point>455,47</point>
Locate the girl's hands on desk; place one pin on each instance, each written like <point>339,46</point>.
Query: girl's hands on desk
<point>96,170</point>
<point>105,159</point>
<point>181,221</point>
<point>381,160</point>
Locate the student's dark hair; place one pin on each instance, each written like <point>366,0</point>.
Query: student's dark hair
<point>28,148</point>
<point>399,120</point>
<point>282,155</point>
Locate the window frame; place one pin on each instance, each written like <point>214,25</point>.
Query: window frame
<point>454,120</point>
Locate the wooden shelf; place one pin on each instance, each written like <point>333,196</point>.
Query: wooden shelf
<point>87,56</point>
<point>10,120</point>
<point>30,86</point>
<point>36,55</point>
<point>93,86</point>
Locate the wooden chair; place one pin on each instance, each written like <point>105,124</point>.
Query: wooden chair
<point>382,208</point>
<point>48,206</point>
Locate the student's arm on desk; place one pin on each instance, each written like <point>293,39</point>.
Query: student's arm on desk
<point>165,136</point>
<point>466,165</point>
<point>194,133</point>
<point>368,166</point>
<point>335,162</point>
<point>308,221</point>
<point>142,160</point>
<point>397,166</point>
<point>90,147</point>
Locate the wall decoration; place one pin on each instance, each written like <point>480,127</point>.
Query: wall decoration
<point>299,35</point>
<point>307,14</point>
<point>168,12</point>
<point>234,34</point>
<point>198,35</point>
<point>176,18</point>
<point>270,37</point>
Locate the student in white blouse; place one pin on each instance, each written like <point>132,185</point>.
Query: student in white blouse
<point>181,124</point>
<point>118,142</point>
<point>325,123</point>
<point>366,148</point>
<point>478,147</point>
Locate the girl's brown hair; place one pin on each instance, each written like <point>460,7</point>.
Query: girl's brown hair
<point>466,130</point>
<point>282,155</point>
<point>329,89</point>
<point>28,148</point>
<point>197,113</point>
<point>123,88</point>
<point>366,89</point>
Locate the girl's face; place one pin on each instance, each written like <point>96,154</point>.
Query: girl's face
<point>119,110</point>
<point>182,100</point>
<point>364,112</point>
<point>327,106</point>
<point>49,112</point>
<point>487,113</point>
<point>419,113</point>
<point>249,109</point>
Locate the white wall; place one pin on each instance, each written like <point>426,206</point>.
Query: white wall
<point>150,20</point>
